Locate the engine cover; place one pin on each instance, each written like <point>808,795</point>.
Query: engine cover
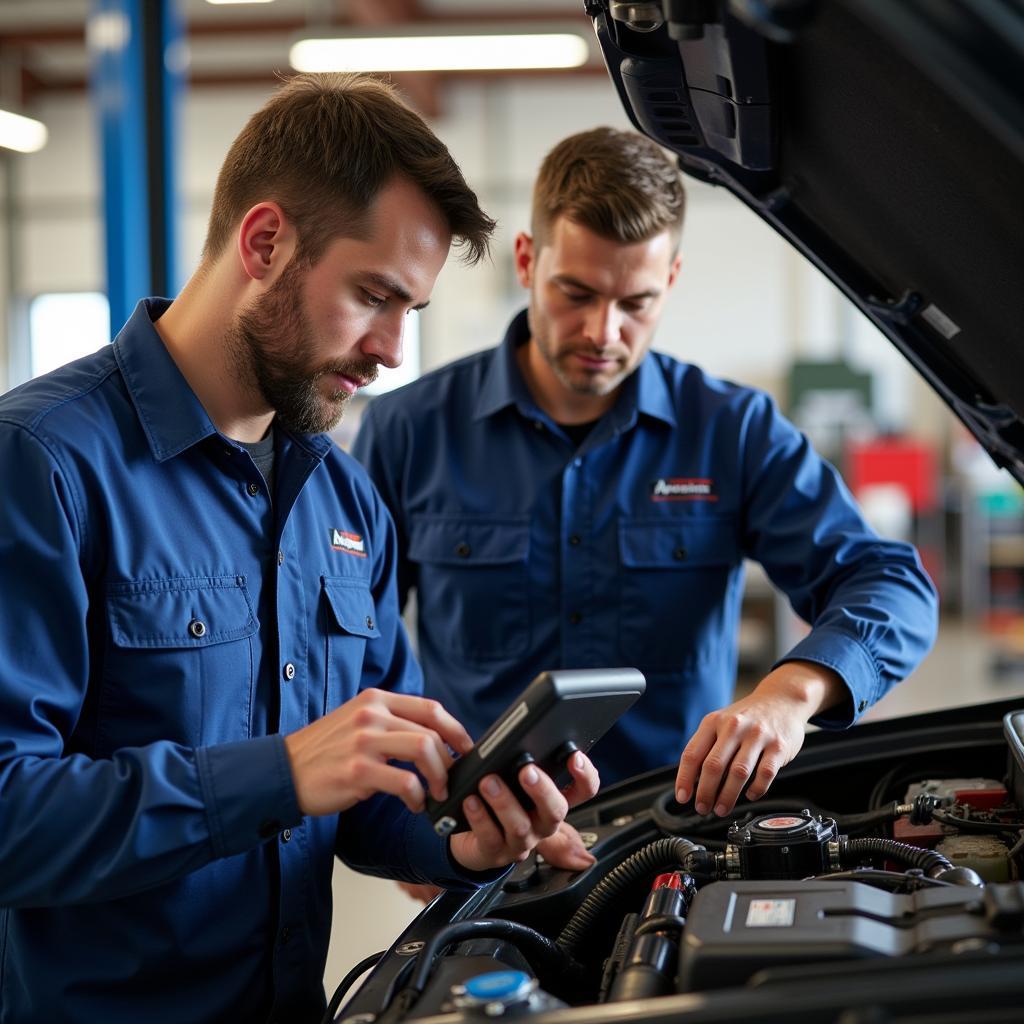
<point>735,929</point>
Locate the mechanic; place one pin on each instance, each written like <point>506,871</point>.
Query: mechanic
<point>570,499</point>
<point>205,688</point>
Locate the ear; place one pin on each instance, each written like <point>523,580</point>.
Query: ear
<point>524,256</point>
<point>673,270</point>
<point>266,242</point>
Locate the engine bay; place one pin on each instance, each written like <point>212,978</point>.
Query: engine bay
<point>879,880</point>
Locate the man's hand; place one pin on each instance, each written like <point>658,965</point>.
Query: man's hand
<point>755,736</point>
<point>565,849</point>
<point>423,892</point>
<point>343,757</point>
<point>508,832</point>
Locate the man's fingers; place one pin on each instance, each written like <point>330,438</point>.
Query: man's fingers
<point>400,782</point>
<point>712,772</point>
<point>692,759</point>
<point>428,713</point>
<point>488,835</point>
<point>768,767</point>
<point>565,849</point>
<point>513,820</point>
<point>422,748</point>
<point>585,780</point>
<point>739,770</point>
<point>549,803</point>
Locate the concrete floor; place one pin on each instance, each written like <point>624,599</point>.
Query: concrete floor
<point>966,666</point>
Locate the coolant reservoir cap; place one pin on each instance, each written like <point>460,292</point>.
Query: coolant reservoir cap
<point>499,986</point>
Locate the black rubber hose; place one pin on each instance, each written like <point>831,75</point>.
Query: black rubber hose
<point>550,961</point>
<point>346,983</point>
<point>661,855</point>
<point>931,863</point>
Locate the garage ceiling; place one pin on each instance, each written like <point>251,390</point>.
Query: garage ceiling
<point>43,42</point>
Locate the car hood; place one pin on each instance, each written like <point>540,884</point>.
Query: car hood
<point>884,140</point>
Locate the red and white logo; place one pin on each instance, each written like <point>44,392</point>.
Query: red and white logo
<point>683,488</point>
<point>350,543</point>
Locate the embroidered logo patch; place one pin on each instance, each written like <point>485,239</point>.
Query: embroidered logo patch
<point>350,543</point>
<point>683,488</point>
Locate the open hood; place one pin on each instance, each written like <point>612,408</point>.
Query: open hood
<point>884,139</point>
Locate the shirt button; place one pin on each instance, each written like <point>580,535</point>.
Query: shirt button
<point>253,489</point>
<point>289,670</point>
<point>286,835</point>
<point>197,628</point>
<point>462,549</point>
<point>280,558</point>
<point>577,463</point>
<point>574,539</point>
<point>680,554</point>
<point>575,618</point>
<point>369,622</point>
<point>538,425</point>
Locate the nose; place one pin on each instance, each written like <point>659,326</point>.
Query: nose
<point>384,341</point>
<point>603,323</point>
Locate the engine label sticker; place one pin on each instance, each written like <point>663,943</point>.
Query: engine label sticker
<point>771,913</point>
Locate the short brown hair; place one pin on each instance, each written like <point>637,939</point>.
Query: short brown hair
<point>620,185</point>
<point>323,146</point>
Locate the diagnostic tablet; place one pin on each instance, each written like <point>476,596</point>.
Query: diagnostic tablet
<point>560,712</point>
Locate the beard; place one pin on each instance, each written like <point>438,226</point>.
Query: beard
<point>273,344</point>
<point>576,378</point>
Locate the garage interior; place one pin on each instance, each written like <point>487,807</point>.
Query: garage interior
<point>748,307</point>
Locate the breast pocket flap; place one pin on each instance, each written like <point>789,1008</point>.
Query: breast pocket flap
<point>647,544</point>
<point>468,541</point>
<point>180,612</point>
<point>352,607</point>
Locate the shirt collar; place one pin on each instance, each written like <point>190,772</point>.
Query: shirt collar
<point>645,392</point>
<point>503,383</point>
<point>171,415</point>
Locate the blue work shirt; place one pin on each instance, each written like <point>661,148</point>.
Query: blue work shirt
<point>162,623</point>
<point>527,553</point>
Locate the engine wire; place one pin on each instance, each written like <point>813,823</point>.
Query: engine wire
<point>346,983</point>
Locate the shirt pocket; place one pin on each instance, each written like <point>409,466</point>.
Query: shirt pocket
<point>473,584</point>
<point>180,664</point>
<point>674,580</point>
<point>351,622</point>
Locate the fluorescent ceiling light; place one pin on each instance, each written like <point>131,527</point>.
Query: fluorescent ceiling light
<point>24,134</point>
<point>489,52</point>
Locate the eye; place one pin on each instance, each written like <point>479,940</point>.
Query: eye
<point>371,299</point>
<point>635,305</point>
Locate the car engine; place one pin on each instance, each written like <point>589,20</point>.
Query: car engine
<point>878,880</point>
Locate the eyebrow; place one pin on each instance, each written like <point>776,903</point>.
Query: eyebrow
<point>389,284</point>
<point>575,283</point>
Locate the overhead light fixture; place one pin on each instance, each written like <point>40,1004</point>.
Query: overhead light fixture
<point>491,49</point>
<point>24,134</point>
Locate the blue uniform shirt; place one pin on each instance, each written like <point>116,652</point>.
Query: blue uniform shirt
<point>528,554</point>
<point>162,623</point>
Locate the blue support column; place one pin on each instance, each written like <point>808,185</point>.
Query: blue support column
<point>136,49</point>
